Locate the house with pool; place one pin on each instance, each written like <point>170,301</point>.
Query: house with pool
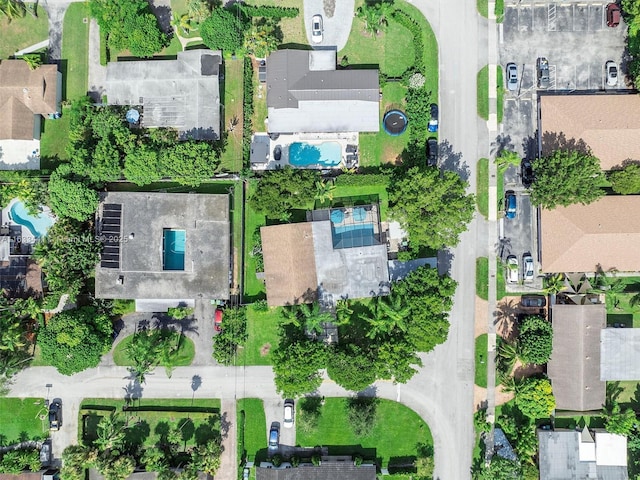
<point>315,111</point>
<point>163,249</point>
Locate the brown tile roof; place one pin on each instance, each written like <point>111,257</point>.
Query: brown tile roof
<point>574,368</point>
<point>607,124</point>
<point>289,263</point>
<point>585,238</point>
<point>24,90</point>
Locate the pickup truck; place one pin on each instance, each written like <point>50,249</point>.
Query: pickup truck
<point>543,73</point>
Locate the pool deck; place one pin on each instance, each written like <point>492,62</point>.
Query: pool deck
<point>26,237</point>
<point>284,140</point>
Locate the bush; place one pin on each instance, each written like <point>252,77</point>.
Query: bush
<point>362,414</point>
<point>316,460</point>
<point>261,305</point>
<point>233,334</point>
<point>627,180</point>
<point>268,11</point>
<point>410,24</point>
<point>357,460</point>
<point>365,180</point>
<point>295,461</point>
<point>223,30</point>
<point>247,126</point>
<point>276,460</point>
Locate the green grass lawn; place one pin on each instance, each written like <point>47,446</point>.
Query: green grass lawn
<point>75,47</point>
<point>500,92</point>
<point>262,328</point>
<point>483,92</point>
<point>483,8</point>
<point>231,158</point>
<point>183,357</point>
<point>152,418</point>
<point>397,433</point>
<point>482,277</point>
<point>20,420</point>
<point>236,219</point>
<point>255,429</point>
<point>254,288</point>
<point>23,32</point>
<point>482,187</point>
<point>53,141</point>
<point>499,11</point>
<point>364,191</point>
<point>619,309</point>
<point>481,360</point>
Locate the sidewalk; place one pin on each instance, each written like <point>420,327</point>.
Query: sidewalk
<point>229,428</point>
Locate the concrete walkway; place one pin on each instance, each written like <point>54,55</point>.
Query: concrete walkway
<point>228,425</point>
<point>97,73</point>
<point>33,48</point>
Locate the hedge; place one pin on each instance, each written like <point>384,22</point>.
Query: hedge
<point>364,180</point>
<point>410,24</point>
<point>268,11</point>
<point>247,83</point>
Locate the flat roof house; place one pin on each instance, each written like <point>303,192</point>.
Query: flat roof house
<point>305,93</point>
<point>338,254</point>
<point>574,367</point>
<point>183,93</point>
<point>25,96</point>
<point>167,248</point>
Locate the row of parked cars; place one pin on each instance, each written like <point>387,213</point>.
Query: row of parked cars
<point>513,268</point>
<point>274,430</point>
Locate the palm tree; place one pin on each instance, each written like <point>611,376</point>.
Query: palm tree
<point>11,333</point>
<point>371,18</point>
<point>207,457</point>
<point>386,314</point>
<point>507,158</point>
<point>313,319</point>
<point>343,312</point>
<point>507,356</point>
<point>111,432</point>
<point>198,10</point>
<point>182,24</point>
<point>324,191</point>
<point>12,9</point>
<point>554,284</point>
<point>290,316</point>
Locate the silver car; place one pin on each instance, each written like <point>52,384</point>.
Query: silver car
<point>316,29</point>
<point>512,77</point>
<point>527,262</point>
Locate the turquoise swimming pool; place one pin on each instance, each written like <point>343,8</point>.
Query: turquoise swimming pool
<point>38,224</point>
<point>354,235</point>
<point>173,248</point>
<point>327,154</point>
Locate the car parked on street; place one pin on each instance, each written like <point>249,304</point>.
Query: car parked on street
<point>513,269</point>
<point>316,29</point>
<point>432,152</point>
<point>274,436</point>
<point>528,268</point>
<point>433,121</point>
<point>612,73</point>
<point>526,172</point>
<point>55,415</point>
<point>543,72</point>
<point>512,77</point>
<point>510,204</point>
<point>217,320</point>
<point>533,301</point>
<point>613,15</point>
<point>289,412</point>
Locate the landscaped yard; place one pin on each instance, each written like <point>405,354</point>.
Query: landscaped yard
<point>293,29</point>
<point>253,432</point>
<point>630,395</point>
<point>353,192</point>
<point>182,358</point>
<point>397,433</point>
<point>231,88</point>
<point>481,360</point>
<point>53,141</point>
<point>254,288</point>
<point>619,309</point>
<point>262,328</point>
<point>151,419</point>
<point>482,187</point>
<point>23,32</point>
<point>75,46</point>
<point>20,419</point>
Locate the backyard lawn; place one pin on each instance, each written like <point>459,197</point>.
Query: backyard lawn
<point>630,394</point>
<point>254,288</point>
<point>254,429</point>
<point>182,358</point>
<point>619,309</point>
<point>75,46</point>
<point>482,187</point>
<point>481,360</point>
<point>262,328</point>
<point>198,419</point>
<point>231,158</point>
<point>20,419</point>
<point>53,141</point>
<point>23,32</point>
<point>293,29</point>
<point>397,433</point>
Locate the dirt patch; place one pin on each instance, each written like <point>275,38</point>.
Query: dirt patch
<point>264,350</point>
<point>529,370</point>
<point>503,397</point>
<point>482,311</point>
<point>479,398</point>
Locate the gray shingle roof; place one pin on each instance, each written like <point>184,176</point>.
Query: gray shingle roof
<point>325,471</point>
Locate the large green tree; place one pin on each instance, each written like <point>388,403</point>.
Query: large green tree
<point>536,340</point>
<point>75,340</point>
<point>69,197</point>
<point>626,180</point>
<point>499,469</point>
<point>142,166</point>
<point>296,365</point>
<point>566,177</point>
<point>280,191</point>
<point>223,30</point>
<point>189,162</point>
<point>534,397</point>
<point>432,206</point>
<point>263,37</point>
<point>350,367</point>
<point>619,421</point>
<point>233,335</point>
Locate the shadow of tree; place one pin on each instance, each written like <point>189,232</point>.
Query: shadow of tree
<point>500,144</point>
<point>552,141</point>
<point>505,319</point>
<point>452,161</point>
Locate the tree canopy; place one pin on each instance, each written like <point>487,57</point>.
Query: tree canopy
<point>69,197</point>
<point>626,180</point>
<point>566,177</point>
<point>233,334</point>
<point>619,421</point>
<point>223,30</point>
<point>432,206</point>
<point>280,191</point>
<point>536,340</point>
<point>296,365</point>
<point>534,397</point>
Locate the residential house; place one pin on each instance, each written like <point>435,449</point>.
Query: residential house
<point>330,468</point>
<point>579,455</point>
<point>338,253</point>
<point>25,97</point>
<point>144,475</point>
<point>163,249</point>
<point>183,93</point>
<point>574,367</point>
<point>48,474</point>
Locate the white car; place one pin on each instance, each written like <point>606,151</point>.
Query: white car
<point>288,413</point>
<point>527,261</point>
<point>513,270</point>
<point>612,73</point>
<point>316,29</point>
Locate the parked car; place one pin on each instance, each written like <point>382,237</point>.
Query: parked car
<point>433,121</point>
<point>510,204</point>
<point>277,153</point>
<point>526,171</point>
<point>274,436</point>
<point>316,29</point>
<point>217,320</point>
<point>513,269</point>
<point>612,73</point>
<point>289,412</point>
<point>512,77</point>
<point>55,415</point>
<point>543,72</point>
<point>533,301</point>
<point>528,268</point>
<point>432,152</point>
<point>613,15</point>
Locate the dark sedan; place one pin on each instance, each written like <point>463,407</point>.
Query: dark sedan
<point>527,173</point>
<point>432,152</point>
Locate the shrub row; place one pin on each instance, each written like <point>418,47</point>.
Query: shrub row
<point>247,82</point>
<point>410,24</point>
<point>364,180</point>
<point>268,11</point>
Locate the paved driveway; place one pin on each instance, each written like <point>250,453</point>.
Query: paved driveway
<point>337,16</point>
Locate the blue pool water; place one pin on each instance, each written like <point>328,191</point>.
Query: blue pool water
<point>358,235</point>
<point>173,248</point>
<point>38,225</point>
<point>327,154</point>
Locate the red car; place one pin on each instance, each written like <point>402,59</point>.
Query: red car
<point>613,15</point>
<point>217,321</point>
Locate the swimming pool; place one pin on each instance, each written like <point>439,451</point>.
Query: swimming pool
<point>38,224</point>
<point>355,235</point>
<point>327,154</point>
<point>173,248</point>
